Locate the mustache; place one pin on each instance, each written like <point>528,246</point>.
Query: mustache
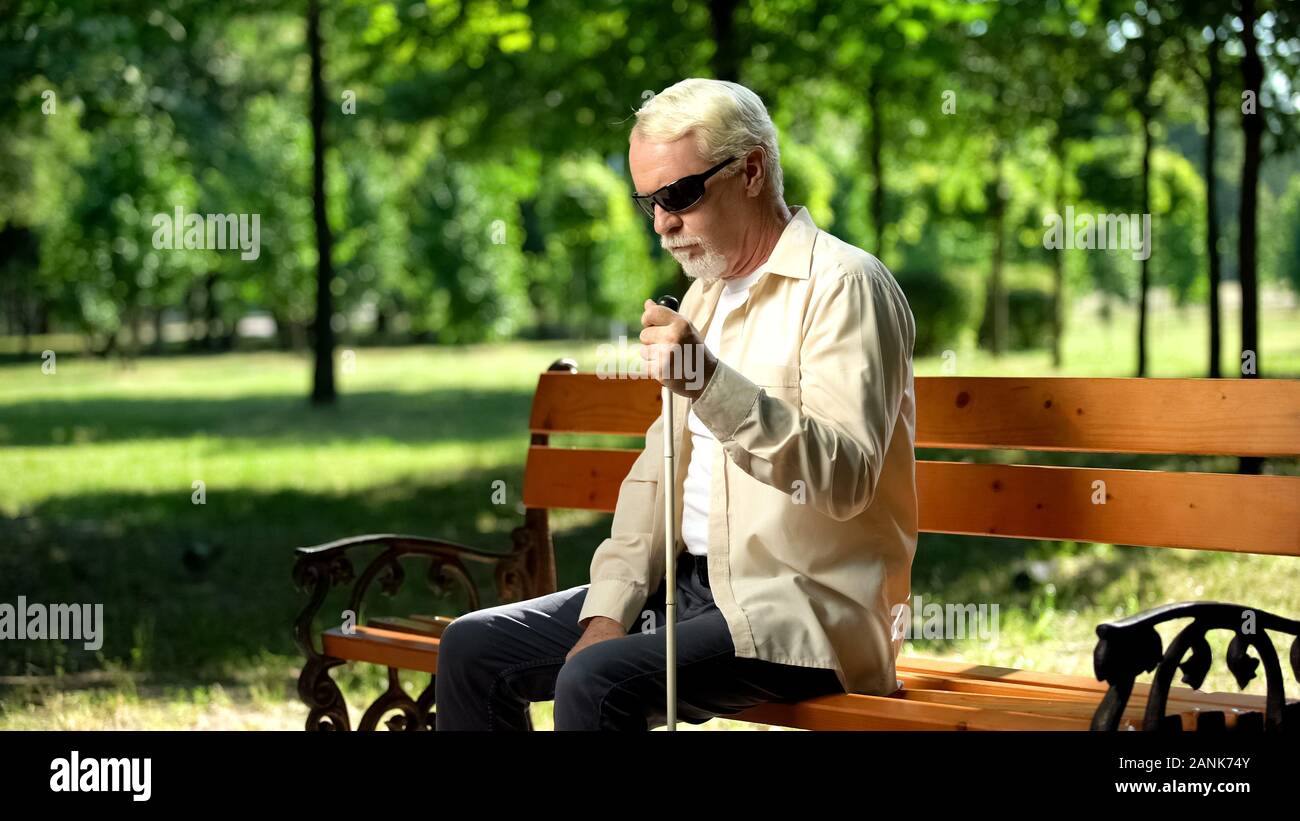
<point>679,242</point>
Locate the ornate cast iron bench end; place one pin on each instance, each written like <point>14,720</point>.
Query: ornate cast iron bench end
<point>1131,646</point>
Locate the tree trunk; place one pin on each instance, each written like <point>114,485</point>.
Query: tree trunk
<point>210,313</point>
<point>1252,75</point>
<point>130,329</point>
<point>191,302</point>
<point>323,392</point>
<point>1145,277</point>
<point>109,345</point>
<point>1252,125</point>
<point>997,296</point>
<point>1058,257</point>
<point>284,336</point>
<point>875,148</point>
<point>13,302</point>
<point>726,65</point>
<point>158,331</point>
<point>1211,205</point>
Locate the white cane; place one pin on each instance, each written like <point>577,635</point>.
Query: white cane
<point>670,543</point>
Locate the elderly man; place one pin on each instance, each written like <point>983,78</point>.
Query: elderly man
<point>797,504</point>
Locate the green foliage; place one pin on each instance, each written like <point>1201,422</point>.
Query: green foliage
<point>1178,227</point>
<point>595,264</point>
<point>1287,261</point>
<point>941,307</point>
<point>478,190</point>
<point>1029,319</point>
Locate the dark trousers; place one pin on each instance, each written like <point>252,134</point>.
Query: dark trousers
<point>493,662</point>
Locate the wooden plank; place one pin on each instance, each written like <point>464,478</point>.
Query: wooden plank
<point>438,623</point>
<point>1182,699</point>
<point>1036,678</point>
<point>1064,707</point>
<point>860,712</point>
<point>1148,508</point>
<point>923,681</point>
<point>422,626</point>
<point>575,478</point>
<point>1233,417</point>
<point>825,714</point>
<point>387,648</point>
<point>1068,708</point>
<point>585,403</point>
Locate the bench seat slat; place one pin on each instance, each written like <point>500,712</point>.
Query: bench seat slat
<point>1065,707</point>
<point>1182,698</point>
<point>1035,678</point>
<point>930,700</point>
<point>420,625</point>
<point>387,648</point>
<point>859,712</point>
<point>877,713</point>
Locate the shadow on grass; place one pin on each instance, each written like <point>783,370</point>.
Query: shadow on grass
<point>207,589</point>
<point>191,588</point>
<point>203,592</point>
<point>422,417</point>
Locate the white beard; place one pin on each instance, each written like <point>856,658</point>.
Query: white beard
<point>708,265</point>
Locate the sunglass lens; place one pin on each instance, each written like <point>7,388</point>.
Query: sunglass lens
<point>679,196</point>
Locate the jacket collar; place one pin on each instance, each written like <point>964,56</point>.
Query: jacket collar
<point>790,257</point>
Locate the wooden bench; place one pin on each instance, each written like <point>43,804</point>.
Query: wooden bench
<point>1180,510</point>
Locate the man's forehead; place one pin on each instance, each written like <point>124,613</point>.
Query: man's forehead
<point>655,164</point>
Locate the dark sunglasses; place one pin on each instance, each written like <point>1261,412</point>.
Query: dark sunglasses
<point>681,194</point>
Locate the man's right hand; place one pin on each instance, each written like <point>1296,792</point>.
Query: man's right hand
<point>600,628</point>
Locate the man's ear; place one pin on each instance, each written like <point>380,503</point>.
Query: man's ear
<point>755,171</point>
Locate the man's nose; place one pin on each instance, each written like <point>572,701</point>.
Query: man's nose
<point>665,221</point>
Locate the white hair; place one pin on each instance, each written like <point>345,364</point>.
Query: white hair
<point>727,120</point>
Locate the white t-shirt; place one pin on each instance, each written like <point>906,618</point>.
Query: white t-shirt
<point>699,473</point>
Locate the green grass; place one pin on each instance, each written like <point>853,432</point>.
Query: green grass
<point>98,461</point>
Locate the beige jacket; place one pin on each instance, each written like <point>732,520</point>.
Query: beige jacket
<point>813,520</point>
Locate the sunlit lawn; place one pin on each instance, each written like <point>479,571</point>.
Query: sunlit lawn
<point>98,465</point>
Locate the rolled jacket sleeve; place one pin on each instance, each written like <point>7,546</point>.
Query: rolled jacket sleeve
<point>857,337</point>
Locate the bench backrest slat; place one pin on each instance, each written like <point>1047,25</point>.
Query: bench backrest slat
<point>575,478</point>
<point>1142,507</point>
<point>1233,417</point>
<point>1209,511</point>
<point>585,403</point>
